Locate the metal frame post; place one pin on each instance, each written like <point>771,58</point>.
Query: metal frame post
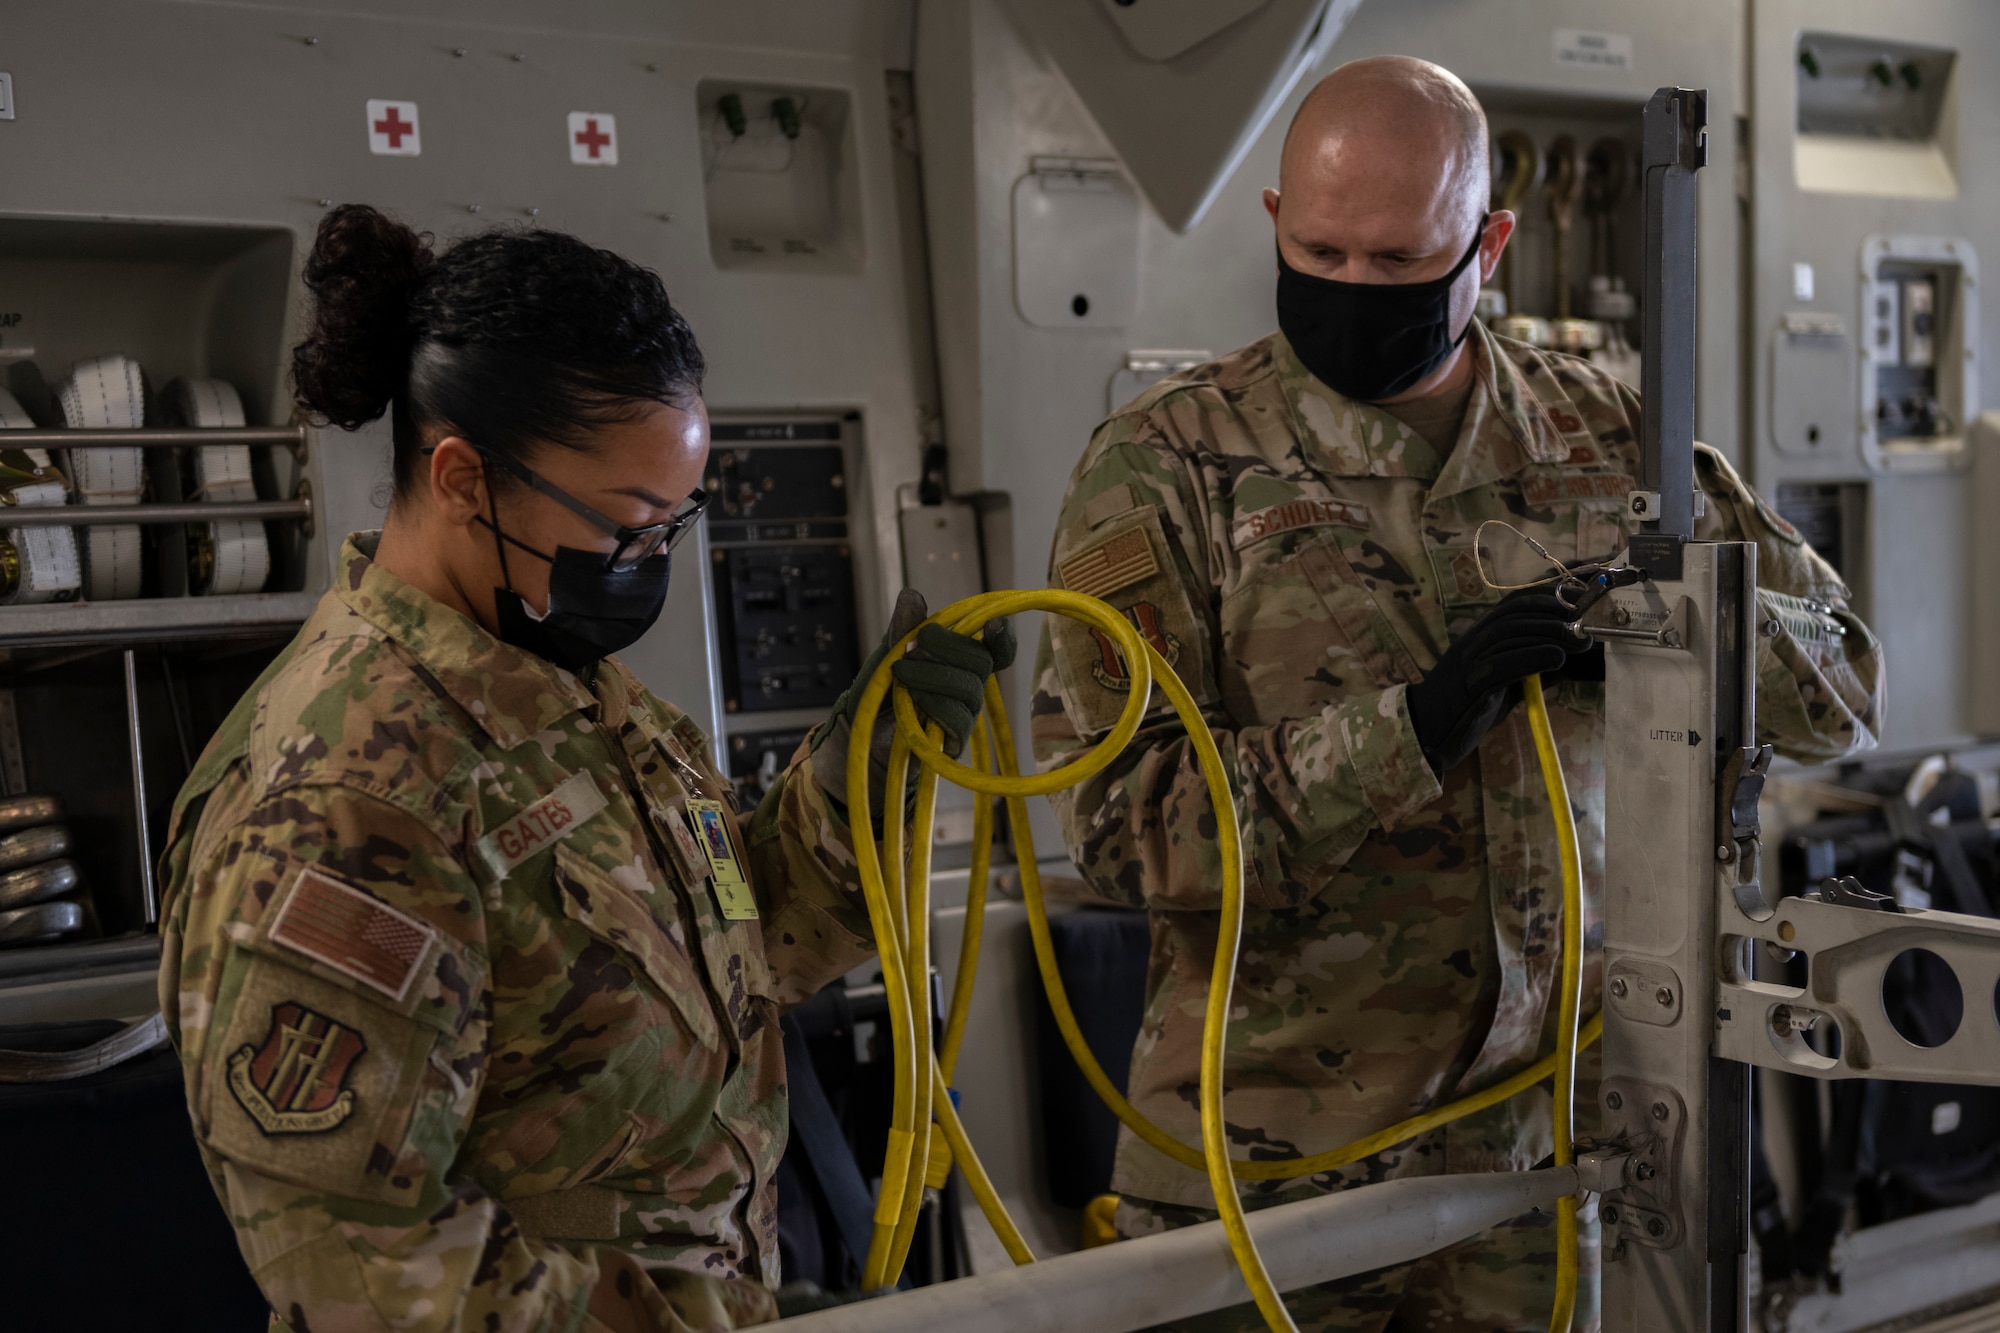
<point>1680,711</point>
<point>1676,714</point>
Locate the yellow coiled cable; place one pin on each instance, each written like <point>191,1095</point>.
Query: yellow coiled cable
<point>898,905</point>
<point>1570,1001</point>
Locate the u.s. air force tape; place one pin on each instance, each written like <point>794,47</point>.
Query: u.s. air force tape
<point>36,564</point>
<point>230,555</point>
<point>107,393</point>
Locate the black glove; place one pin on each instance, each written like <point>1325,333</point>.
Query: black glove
<point>1584,664</point>
<point>945,673</point>
<point>1478,679</point>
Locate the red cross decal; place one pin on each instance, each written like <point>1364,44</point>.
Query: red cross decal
<point>395,127</point>
<point>592,138</point>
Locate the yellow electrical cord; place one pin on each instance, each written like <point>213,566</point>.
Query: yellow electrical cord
<point>1564,1111</point>
<point>898,905</point>
<point>912,1106</point>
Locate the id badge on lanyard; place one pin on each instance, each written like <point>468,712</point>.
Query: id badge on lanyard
<point>732,886</point>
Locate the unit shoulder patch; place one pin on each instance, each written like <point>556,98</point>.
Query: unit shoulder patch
<point>1256,524</point>
<point>1119,561</point>
<point>351,931</point>
<point>295,1080</point>
<point>1110,670</point>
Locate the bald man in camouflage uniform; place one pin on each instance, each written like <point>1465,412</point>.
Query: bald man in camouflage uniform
<point>1303,559</point>
<point>479,1029</point>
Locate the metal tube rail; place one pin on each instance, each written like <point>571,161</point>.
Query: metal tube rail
<point>150,437</point>
<point>150,901</point>
<point>87,516</point>
<point>1153,1279</point>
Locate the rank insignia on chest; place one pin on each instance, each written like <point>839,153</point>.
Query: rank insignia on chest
<point>1109,669</point>
<point>295,1081</point>
<point>732,887</point>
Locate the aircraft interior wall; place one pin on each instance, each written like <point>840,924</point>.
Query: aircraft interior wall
<point>922,273</point>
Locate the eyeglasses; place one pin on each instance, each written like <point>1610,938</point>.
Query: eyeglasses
<point>634,544</point>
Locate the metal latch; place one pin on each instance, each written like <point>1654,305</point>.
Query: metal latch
<point>1847,891</point>
<point>1738,831</point>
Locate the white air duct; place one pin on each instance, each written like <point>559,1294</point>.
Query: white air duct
<point>1182,88</point>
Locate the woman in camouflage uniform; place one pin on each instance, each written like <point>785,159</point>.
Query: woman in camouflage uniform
<point>473,971</point>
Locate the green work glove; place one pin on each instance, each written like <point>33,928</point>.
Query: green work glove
<point>946,672</point>
<point>830,740</point>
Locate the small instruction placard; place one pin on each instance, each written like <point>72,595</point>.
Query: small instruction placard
<point>1593,50</point>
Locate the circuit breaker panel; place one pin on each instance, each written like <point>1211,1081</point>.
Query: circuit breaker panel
<point>783,571</point>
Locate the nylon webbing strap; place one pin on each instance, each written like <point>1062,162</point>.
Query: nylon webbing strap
<point>56,1066</point>
<point>239,555</point>
<point>107,393</point>
<point>49,563</point>
<point>817,1130</point>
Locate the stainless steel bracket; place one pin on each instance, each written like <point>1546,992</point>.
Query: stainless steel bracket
<point>1835,1026</point>
<point>1641,613</point>
<point>1647,1121</point>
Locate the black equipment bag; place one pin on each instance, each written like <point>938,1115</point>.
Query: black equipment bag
<point>1101,955</point>
<point>110,1221</point>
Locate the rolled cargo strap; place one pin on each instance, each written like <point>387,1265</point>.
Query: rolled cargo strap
<point>107,393</point>
<point>28,811</point>
<point>34,884</point>
<point>230,555</point>
<point>43,921</point>
<point>34,846</point>
<point>38,564</point>
<point>57,1066</point>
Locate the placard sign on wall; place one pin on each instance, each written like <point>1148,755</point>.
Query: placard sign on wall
<point>1593,50</point>
<point>392,128</point>
<point>593,139</point>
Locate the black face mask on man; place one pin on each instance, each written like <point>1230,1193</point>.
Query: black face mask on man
<point>1369,340</point>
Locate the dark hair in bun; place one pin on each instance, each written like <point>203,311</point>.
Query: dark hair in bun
<point>514,339</point>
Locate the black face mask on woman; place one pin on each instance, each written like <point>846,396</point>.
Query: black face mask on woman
<point>593,611</point>
<point>1370,340</point>
<point>599,602</point>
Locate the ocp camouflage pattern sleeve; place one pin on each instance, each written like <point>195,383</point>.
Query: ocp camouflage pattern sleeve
<point>802,853</point>
<point>1301,558</point>
<point>476,1015</point>
<point>332,1108</point>
<point>1820,671</point>
<point>1137,530</point>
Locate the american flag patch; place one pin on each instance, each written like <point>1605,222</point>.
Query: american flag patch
<point>347,930</point>
<point>1116,562</point>
<point>1543,489</point>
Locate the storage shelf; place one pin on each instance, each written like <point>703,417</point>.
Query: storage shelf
<point>64,962</point>
<point>156,437</point>
<point>205,511</point>
<point>151,618</point>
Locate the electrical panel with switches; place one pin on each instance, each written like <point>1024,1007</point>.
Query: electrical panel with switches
<point>782,566</point>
